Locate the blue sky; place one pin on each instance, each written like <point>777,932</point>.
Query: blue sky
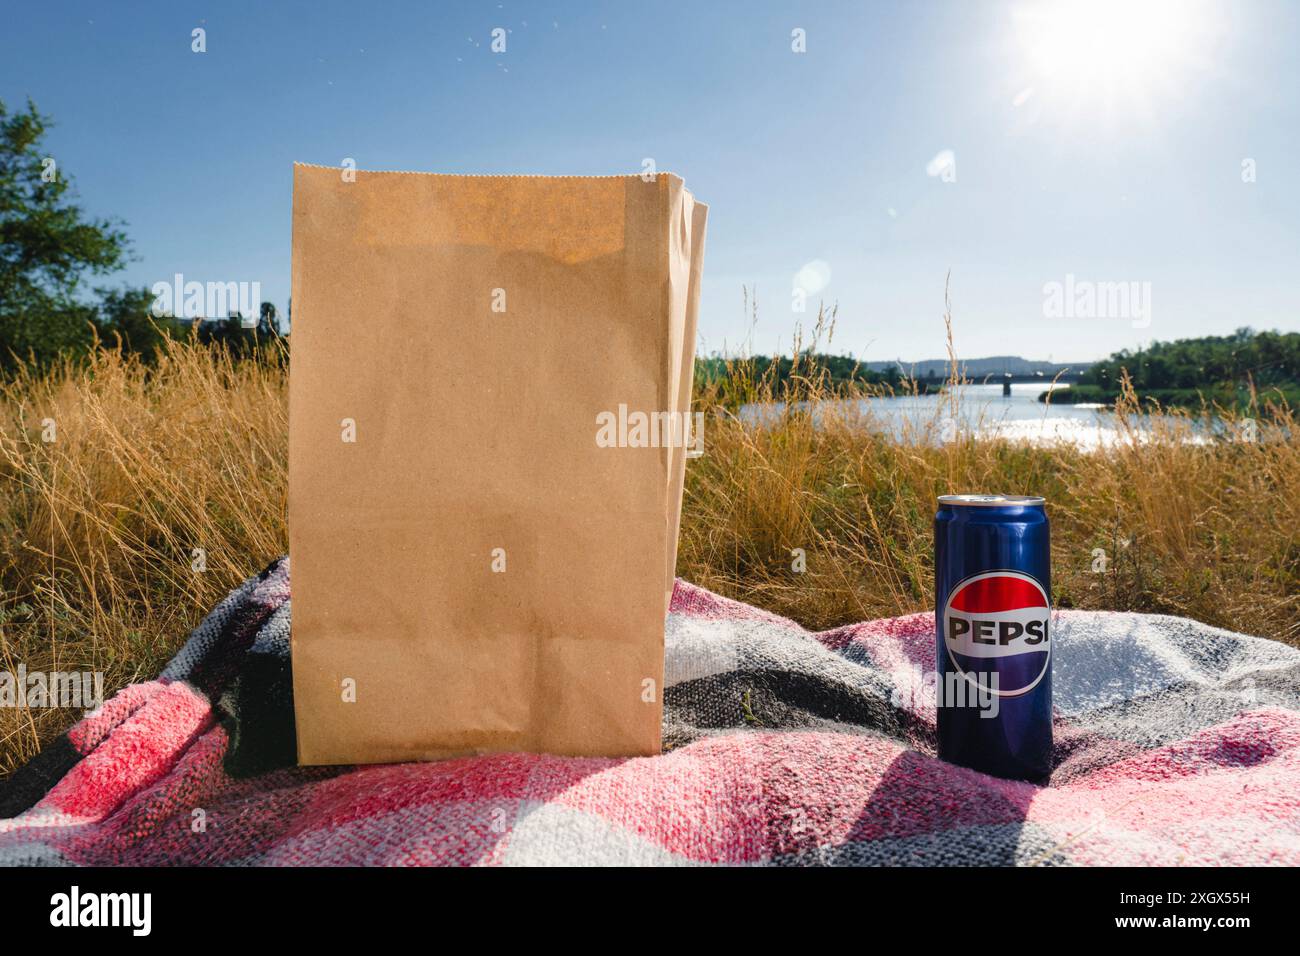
<point>1107,152</point>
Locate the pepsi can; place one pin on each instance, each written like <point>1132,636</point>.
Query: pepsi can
<point>993,586</point>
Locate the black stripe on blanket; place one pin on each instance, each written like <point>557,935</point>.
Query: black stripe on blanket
<point>257,712</point>
<point>26,785</point>
<point>775,699</point>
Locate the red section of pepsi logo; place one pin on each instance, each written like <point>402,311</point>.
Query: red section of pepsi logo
<point>1001,593</point>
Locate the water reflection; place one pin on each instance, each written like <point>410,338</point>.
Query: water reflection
<point>985,411</point>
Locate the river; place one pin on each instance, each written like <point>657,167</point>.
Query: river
<point>984,410</point>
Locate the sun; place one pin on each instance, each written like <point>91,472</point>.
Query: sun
<point>1116,54</point>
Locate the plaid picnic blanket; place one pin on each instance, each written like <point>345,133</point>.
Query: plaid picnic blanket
<point>1176,743</point>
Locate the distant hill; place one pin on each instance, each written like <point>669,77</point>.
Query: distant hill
<point>842,371</point>
<point>995,365</point>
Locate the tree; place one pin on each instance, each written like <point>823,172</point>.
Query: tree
<point>48,246</point>
<point>126,314</point>
<point>1216,367</point>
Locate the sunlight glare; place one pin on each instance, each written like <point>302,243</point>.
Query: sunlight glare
<point>1112,52</point>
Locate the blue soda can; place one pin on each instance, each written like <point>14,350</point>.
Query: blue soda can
<point>992,616</point>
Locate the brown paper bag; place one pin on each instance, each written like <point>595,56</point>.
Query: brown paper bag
<point>475,568</point>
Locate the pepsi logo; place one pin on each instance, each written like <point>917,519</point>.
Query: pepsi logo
<point>997,622</point>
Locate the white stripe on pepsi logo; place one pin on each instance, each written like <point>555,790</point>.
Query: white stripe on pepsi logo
<point>997,633</point>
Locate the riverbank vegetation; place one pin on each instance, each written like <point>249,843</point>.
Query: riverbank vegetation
<point>1228,371</point>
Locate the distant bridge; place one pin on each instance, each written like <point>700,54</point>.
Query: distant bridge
<point>999,378</point>
<point>996,378</point>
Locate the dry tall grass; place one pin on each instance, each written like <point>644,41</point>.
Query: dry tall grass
<point>99,526</point>
<point>117,480</point>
